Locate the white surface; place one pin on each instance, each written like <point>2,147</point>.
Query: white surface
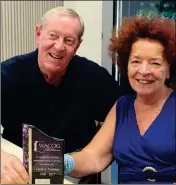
<point>17,151</point>
<point>2,129</point>
<point>11,148</point>
<point>98,19</point>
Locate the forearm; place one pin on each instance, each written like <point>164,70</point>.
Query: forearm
<point>98,154</point>
<point>84,164</point>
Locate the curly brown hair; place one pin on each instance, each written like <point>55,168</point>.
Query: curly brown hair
<point>133,28</point>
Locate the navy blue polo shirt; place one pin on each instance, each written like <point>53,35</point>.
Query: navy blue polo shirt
<point>86,93</point>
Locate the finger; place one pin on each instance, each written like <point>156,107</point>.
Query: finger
<point>19,168</point>
<point>5,179</point>
<point>15,176</point>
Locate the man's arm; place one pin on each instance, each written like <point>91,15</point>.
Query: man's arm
<point>12,170</point>
<point>6,91</point>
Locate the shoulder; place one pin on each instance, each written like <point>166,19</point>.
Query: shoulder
<point>17,61</point>
<point>173,94</point>
<point>124,103</point>
<point>13,68</point>
<point>88,66</point>
<point>92,72</point>
<point>123,106</point>
<point>126,100</point>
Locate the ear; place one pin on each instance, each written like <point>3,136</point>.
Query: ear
<point>37,33</point>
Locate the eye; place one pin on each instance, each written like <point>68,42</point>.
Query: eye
<point>156,63</point>
<point>135,61</point>
<point>69,41</point>
<point>52,36</point>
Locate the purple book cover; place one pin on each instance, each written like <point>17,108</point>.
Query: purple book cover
<point>43,156</point>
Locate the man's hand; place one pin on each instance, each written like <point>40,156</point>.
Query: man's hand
<point>12,170</point>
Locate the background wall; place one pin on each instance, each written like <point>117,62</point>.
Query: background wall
<point>98,18</point>
<point>18,20</point>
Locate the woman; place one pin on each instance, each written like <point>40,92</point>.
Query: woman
<point>140,130</point>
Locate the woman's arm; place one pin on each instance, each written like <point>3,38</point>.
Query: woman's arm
<point>97,155</point>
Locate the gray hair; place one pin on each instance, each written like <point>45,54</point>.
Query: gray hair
<point>67,12</point>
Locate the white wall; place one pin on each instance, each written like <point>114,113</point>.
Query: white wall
<point>98,19</point>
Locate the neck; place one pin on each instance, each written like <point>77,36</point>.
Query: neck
<point>155,98</point>
<point>53,79</point>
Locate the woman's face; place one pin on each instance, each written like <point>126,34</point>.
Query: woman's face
<point>147,67</point>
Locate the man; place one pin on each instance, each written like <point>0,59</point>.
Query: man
<point>55,90</point>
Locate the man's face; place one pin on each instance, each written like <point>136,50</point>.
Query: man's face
<point>57,41</point>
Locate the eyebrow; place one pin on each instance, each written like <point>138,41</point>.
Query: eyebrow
<point>58,33</point>
<point>153,58</point>
<point>134,56</point>
<point>156,58</point>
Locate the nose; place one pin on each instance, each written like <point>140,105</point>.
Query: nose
<point>144,69</point>
<point>59,45</point>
